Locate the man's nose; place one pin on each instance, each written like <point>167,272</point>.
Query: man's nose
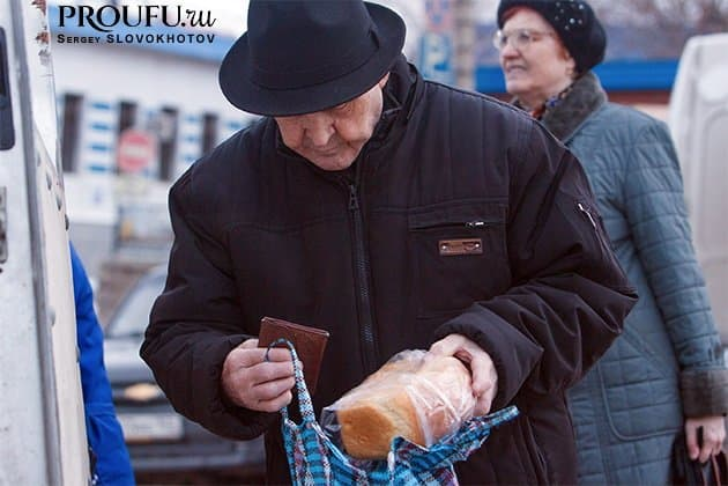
<point>319,130</point>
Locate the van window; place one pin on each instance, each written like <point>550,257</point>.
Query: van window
<point>7,126</point>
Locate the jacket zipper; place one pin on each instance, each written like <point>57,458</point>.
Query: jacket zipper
<point>602,239</point>
<point>584,210</point>
<point>364,307</point>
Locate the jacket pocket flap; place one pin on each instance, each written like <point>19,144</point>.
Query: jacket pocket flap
<point>463,214</point>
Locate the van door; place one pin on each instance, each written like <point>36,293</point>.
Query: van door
<point>42,428</point>
<point>699,125</point>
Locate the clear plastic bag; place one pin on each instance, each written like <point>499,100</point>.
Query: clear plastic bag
<point>416,395</point>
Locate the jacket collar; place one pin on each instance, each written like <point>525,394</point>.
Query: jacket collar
<point>396,100</point>
<point>586,97</point>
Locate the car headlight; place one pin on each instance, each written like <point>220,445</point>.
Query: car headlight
<point>143,392</point>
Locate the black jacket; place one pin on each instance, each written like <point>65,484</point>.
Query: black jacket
<point>261,231</point>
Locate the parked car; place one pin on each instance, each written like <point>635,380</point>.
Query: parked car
<point>158,438</point>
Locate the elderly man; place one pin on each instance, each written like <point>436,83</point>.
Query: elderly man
<point>395,213</point>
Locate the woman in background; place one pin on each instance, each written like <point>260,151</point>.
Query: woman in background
<point>666,372</point>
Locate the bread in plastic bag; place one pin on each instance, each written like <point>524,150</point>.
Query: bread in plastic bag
<point>415,395</point>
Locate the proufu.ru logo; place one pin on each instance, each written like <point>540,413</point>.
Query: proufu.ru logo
<point>108,20</point>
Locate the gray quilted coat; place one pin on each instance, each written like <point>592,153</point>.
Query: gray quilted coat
<point>668,361</point>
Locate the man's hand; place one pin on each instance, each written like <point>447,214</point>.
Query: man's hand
<point>713,437</point>
<point>482,369</point>
<point>254,383</point>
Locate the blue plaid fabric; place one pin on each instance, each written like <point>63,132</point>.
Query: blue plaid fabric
<point>315,460</point>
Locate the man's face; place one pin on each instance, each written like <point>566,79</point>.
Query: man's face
<point>332,139</point>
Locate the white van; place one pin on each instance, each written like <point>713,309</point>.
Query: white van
<point>42,431</point>
<point>699,125</point>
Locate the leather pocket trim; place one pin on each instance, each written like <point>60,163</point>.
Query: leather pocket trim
<point>461,247</point>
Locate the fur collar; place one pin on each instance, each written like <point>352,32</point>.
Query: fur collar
<point>586,97</point>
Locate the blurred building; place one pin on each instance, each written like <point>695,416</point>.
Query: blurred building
<point>117,192</point>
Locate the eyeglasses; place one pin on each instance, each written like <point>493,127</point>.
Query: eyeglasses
<point>519,39</point>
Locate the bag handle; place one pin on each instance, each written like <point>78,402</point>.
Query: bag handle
<point>722,464</point>
<point>720,468</point>
<point>305,405</point>
<point>716,470</point>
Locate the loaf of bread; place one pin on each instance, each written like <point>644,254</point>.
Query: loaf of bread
<point>413,397</point>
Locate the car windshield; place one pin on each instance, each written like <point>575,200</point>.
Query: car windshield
<point>132,317</point>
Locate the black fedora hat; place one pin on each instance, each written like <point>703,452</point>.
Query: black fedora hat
<point>303,56</point>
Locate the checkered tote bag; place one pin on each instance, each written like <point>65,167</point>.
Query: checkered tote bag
<point>315,460</point>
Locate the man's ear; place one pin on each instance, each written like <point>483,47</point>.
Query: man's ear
<point>382,82</point>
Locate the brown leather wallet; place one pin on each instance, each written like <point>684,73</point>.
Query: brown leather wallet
<point>310,344</point>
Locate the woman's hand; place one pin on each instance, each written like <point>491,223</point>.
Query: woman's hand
<point>713,436</point>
